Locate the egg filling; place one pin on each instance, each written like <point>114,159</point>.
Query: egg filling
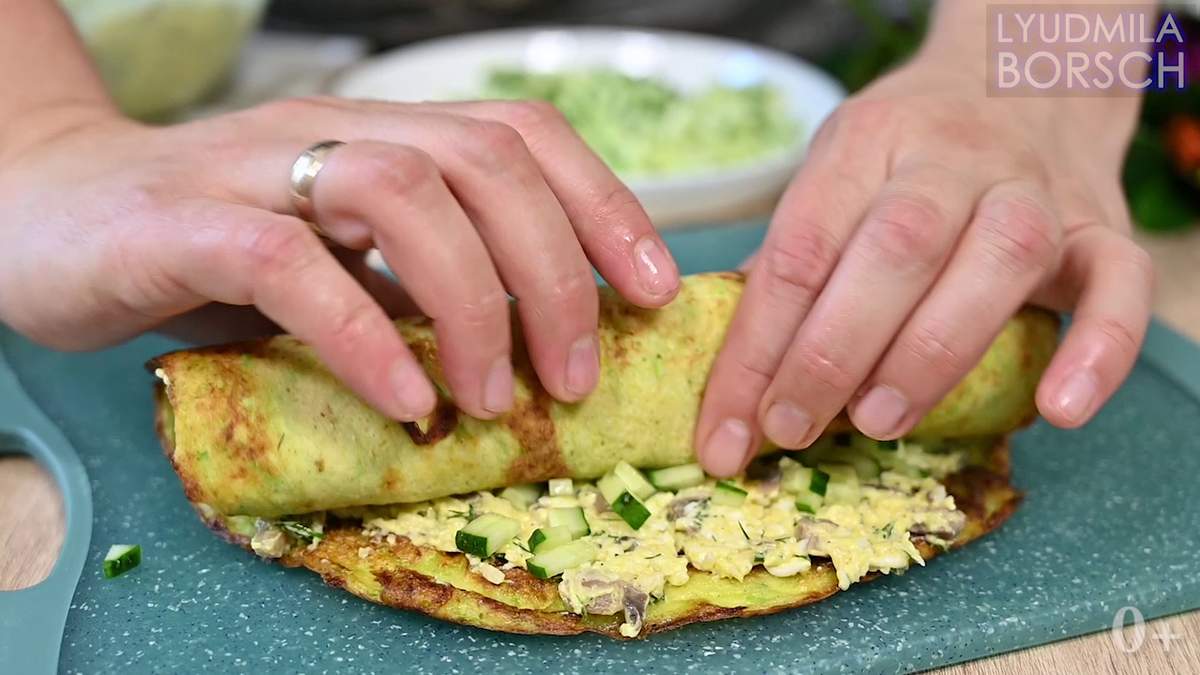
<point>864,520</point>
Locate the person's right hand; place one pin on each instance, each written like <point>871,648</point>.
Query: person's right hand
<point>109,229</point>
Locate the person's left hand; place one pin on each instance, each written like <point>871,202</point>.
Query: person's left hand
<point>925,215</point>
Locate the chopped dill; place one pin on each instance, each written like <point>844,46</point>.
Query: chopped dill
<point>469,514</point>
<point>300,531</point>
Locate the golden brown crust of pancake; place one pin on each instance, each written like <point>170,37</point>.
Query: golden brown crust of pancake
<point>263,428</point>
<point>438,584</point>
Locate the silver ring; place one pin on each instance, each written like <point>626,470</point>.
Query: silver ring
<point>304,176</point>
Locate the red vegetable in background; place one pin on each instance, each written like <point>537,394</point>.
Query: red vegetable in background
<point>1183,144</point>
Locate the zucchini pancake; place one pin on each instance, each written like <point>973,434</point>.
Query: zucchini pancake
<point>589,517</point>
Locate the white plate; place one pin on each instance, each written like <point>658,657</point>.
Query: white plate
<point>455,67</point>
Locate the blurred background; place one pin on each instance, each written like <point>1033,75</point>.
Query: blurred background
<point>177,59</point>
<point>810,28</point>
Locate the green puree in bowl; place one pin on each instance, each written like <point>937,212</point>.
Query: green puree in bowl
<point>641,126</point>
<point>157,57</point>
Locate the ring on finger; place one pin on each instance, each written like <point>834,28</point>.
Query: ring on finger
<point>304,177</point>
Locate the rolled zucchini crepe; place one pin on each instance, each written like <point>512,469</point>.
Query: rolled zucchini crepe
<point>262,428</point>
<point>593,517</point>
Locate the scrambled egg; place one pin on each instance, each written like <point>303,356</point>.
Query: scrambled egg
<point>688,529</point>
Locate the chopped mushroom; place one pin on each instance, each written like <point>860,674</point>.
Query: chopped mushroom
<point>635,602</point>
<point>767,474</point>
<point>955,521</point>
<point>602,504</point>
<point>600,594</point>
<point>688,508</point>
<point>815,533</point>
<point>269,541</point>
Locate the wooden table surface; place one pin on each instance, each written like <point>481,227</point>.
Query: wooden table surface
<point>31,524</point>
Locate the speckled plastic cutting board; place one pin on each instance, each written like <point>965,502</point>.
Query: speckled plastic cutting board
<point>1109,521</point>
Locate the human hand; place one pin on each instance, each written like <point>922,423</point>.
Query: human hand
<point>109,229</point>
<point>924,216</point>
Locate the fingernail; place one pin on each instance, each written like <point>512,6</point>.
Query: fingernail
<point>1077,394</point>
<point>583,367</point>
<point>880,411</point>
<point>415,397</point>
<point>655,270</point>
<point>498,389</point>
<point>786,425</point>
<point>727,448</point>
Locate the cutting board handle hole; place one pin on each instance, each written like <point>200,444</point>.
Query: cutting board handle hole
<point>31,517</point>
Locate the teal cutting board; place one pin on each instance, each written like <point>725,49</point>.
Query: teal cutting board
<point>1109,521</point>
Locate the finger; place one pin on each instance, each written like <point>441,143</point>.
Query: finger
<point>1009,248</point>
<point>891,261</point>
<point>611,224</point>
<point>246,256</point>
<point>535,249</point>
<point>815,218</point>
<point>502,190</point>
<point>432,246</point>
<point>391,296</point>
<point>1112,281</point>
<point>216,322</point>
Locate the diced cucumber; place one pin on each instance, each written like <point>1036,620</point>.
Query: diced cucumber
<point>631,510</point>
<point>635,483</point>
<point>120,559</point>
<point>621,489</point>
<point>866,466</point>
<point>817,452</point>
<point>799,479</point>
<point>548,538</point>
<point>886,458</point>
<point>839,473</point>
<point>571,518</point>
<point>561,487</point>
<point>809,502</point>
<point>486,534</point>
<point>556,561</point>
<point>611,487</point>
<point>812,480</point>
<point>860,443</point>
<point>843,493</point>
<point>889,446</point>
<point>521,496</point>
<point>677,477</point>
<point>728,494</point>
<point>792,480</point>
<point>911,471</point>
<point>938,446</point>
<point>843,487</point>
<point>861,455</point>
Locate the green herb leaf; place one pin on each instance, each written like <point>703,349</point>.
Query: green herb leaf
<point>300,531</point>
